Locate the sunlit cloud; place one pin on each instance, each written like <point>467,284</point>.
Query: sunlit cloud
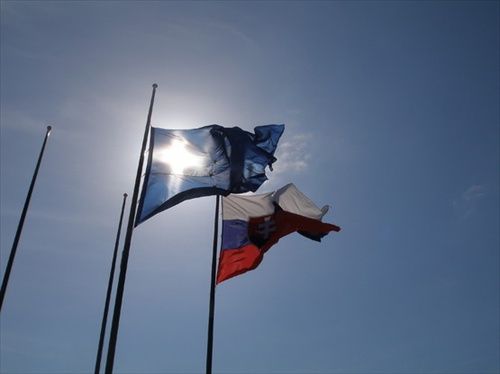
<point>292,154</point>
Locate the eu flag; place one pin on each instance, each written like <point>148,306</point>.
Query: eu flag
<point>211,160</point>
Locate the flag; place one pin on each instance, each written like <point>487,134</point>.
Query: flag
<point>251,224</point>
<point>211,160</point>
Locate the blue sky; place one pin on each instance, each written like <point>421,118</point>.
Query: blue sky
<point>392,119</point>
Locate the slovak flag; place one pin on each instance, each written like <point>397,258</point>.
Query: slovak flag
<point>253,223</point>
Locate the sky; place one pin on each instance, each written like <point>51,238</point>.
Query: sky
<point>391,111</point>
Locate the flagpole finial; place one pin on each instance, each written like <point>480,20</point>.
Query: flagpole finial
<point>125,194</point>
<point>49,129</point>
<point>155,85</point>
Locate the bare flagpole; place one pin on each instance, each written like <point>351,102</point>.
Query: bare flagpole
<point>110,287</point>
<point>126,248</point>
<point>212,291</point>
<point>12,255</point>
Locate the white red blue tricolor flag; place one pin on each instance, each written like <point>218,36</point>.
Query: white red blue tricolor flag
<point>253,223</point>
<point>211,160</point>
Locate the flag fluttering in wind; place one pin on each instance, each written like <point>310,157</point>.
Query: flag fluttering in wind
<point>211,160</point>
<point>253,223</point>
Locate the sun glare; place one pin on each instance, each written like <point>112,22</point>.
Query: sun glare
<point>179,156</point>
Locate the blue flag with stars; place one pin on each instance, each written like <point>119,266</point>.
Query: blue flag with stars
<point>211,160</point>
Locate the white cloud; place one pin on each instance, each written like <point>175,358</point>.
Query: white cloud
<point>292,154</point>
<point>474,193</point>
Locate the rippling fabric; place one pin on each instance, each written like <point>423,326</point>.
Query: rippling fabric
<point>252,224</point>
<point>211,160</point>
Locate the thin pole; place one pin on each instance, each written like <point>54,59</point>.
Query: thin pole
<point>212,291</point>
<point>126,248</point>
<point>110,287</point>
<point>13,251</point>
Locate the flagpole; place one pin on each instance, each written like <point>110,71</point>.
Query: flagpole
<point>108,294</point>
<point>212,291</point>
<point>126,248</point>
<point>21,221</point>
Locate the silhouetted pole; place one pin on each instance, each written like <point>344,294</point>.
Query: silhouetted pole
<point>12,255</point>
<point>212,291</point>
<point>108,294</point>
<point>126,248</point>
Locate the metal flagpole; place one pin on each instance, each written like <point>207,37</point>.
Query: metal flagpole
<point>21,222</point>
<point>108,294</point>
<point>212,291</point>
<point>126,248</point>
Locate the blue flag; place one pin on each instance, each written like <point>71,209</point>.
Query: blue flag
<point>211,160</point>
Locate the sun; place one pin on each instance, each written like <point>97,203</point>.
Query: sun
<point>179,155</point>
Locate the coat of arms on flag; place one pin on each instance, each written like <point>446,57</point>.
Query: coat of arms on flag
<point>260,229</point>
<point>254,223</point>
